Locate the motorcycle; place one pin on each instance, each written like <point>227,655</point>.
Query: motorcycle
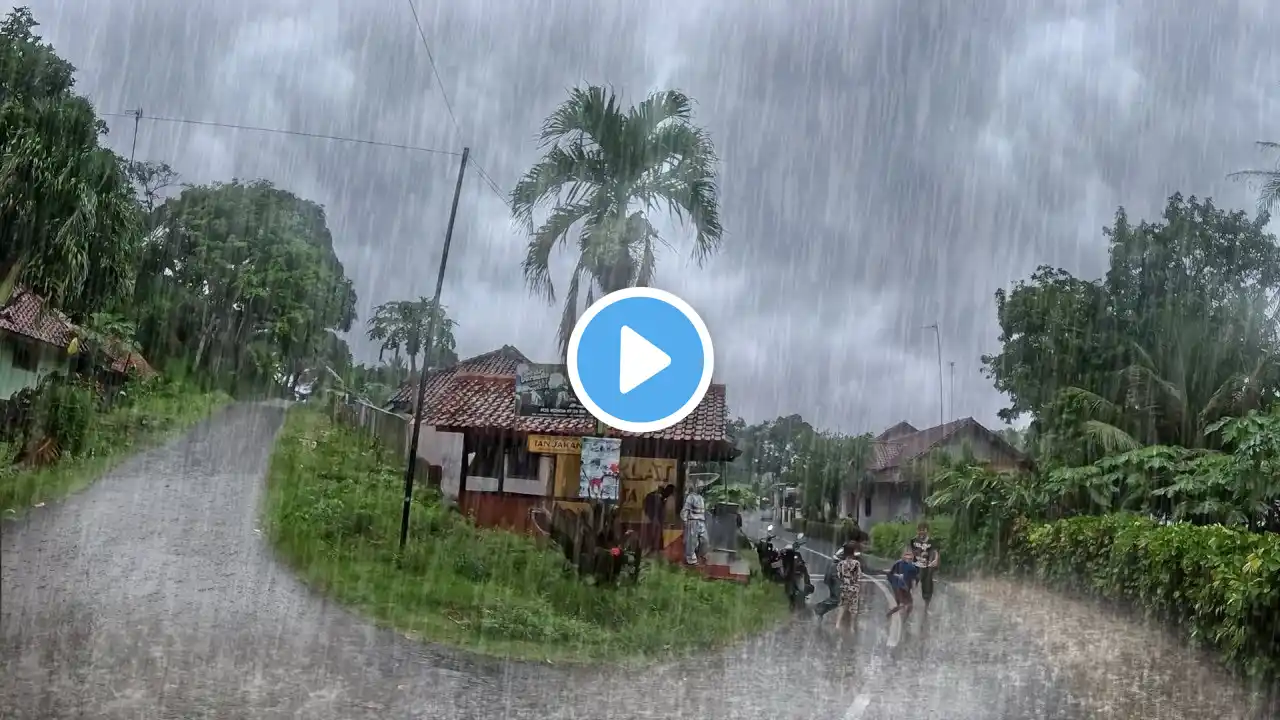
<point>769,557</point>
<point>795,573</point>
<point>785,566</point>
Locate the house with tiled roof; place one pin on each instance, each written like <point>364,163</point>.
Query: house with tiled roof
<point>36,341</point>
<point>500,464</point>
<point>892,483</point>
<point>33,342</point>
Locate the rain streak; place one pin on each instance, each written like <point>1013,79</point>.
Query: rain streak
<point>639,359</point>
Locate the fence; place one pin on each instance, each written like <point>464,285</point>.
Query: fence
<point>391,430</point>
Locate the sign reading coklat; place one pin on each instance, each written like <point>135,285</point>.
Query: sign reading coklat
<point>555,444</point>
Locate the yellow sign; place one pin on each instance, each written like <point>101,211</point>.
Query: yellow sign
<point>555,445</point>
<point>641,476</point>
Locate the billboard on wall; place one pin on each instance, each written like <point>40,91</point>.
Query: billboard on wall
<point>599,477</point>
<point>543,390</point>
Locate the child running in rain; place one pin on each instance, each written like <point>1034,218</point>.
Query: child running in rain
<point>849,572</point>
<point>902,577</point>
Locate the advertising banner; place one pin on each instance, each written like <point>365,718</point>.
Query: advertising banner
<point>543,390</point>
<point>599,478</point>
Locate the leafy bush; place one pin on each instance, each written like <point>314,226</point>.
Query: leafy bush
<point>64,411</point>
<point>888,539</point>
<point>961,552</point>
<point>333,511</point>
<point>1222,584</point>
<point>91,439</point>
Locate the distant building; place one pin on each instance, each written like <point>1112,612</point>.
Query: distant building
<point>892,487</point>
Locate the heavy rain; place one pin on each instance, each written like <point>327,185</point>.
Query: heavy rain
<point>992,428</point>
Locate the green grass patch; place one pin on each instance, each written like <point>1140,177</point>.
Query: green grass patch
<point>333,511</point>
<point>158,413</point>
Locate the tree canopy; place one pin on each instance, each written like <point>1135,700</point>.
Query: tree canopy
<point>1180,333</point>
<point>406,324</point>
<point>69,226</point>
<point>243,275</point>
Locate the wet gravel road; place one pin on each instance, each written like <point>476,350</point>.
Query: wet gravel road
<point>153,595</point>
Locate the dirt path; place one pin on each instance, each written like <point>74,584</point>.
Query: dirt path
<point>153,595</point>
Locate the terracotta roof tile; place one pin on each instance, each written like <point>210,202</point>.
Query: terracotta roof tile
<point>898,431</point>
<point>502,361</point>
<point>901,449</point>
<point>26,315</point>
<point>474,400</point>
<point>125,363</point>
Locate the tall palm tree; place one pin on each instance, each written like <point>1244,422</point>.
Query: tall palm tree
<point>605,168</point>
<point>406,323</point>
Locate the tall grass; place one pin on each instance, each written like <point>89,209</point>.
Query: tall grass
<point>156,410</point>
<point>333,511</point>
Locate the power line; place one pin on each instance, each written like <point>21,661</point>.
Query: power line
<point>278,131</point>
<point>448,106</point>
<point>432,58</point>
<point>484,176</point>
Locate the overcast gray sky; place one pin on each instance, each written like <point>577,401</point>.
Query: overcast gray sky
<point>885,164</point>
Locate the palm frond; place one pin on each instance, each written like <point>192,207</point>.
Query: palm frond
<point>569,316</point>
<point>590,112</point>
<point>537,260</point>
<point>1109,438</point>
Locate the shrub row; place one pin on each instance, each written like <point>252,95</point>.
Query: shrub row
<point>1222,584</point>
<point>888,539</point>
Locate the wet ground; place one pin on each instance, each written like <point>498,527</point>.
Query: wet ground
<point>153,595</point>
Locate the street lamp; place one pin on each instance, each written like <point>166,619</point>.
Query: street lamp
<point>942,408</point>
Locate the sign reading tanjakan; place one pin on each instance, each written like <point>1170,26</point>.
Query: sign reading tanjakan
<point>555,445</point>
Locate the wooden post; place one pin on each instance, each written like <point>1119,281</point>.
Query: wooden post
<point>502,463</point>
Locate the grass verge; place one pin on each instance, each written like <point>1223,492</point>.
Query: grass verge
<point>333,511</point>
<point>114,436</point>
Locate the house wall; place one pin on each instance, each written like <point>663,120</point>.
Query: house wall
<point>445,450</point>
<point>13,379</point>
<point>890,500</point>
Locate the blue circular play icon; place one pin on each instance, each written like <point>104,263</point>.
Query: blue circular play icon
<point>640,360</point>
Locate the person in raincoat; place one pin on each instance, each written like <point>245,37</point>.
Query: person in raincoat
<point>694,516</point>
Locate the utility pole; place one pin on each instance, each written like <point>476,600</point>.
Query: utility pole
<point>431,336</point>
<point>942,408</point>
<point>953,390</point>
<point>137,118</point>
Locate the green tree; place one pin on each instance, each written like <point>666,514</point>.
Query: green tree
<point>405,324</point>
<point>605,168</point>
<point>69,224</point>
<point>1178,335</point>
<point>242,279</point>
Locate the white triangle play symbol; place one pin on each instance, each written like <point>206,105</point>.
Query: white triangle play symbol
<point>639,361</point>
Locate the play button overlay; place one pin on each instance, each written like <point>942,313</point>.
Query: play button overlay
<point>640,360</point>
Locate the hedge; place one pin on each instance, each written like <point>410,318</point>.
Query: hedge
<point>889,539</point>
<point>1222,584</point>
